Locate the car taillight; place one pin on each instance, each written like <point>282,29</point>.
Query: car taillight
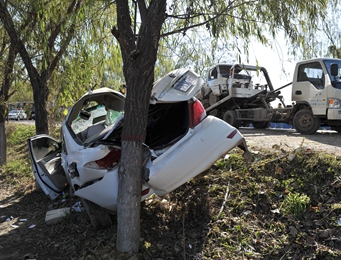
<point>144,192</point>
<point>230,136</point>
<point>110,159</point>
<point>197,113</point>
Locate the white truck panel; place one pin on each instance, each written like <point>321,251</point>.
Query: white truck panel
<point>334,114</point>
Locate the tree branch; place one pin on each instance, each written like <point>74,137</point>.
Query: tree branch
<point>126,39</point>
<point>66,41</point>
<point>224,11</point>
<point>19,45</point>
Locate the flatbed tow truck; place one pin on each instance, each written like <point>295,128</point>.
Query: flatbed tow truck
<point>241,95</point>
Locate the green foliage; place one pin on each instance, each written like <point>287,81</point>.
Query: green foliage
<point>226,26</point>
<point>295,204</point>
<point>18,168</point>
<point>18,134</point>
<point>198,35</point>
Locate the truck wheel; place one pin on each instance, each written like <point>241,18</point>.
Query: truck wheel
<point>99,217</point>
<point>230,117</point>
<point>305,122</point>
<point>260,124</point>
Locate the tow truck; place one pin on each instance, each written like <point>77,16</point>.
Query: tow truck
<point>241,95</point>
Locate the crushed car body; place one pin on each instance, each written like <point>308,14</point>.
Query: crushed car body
<point>181,142</point>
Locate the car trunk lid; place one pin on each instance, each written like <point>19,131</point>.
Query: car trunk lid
<point>178,85</point>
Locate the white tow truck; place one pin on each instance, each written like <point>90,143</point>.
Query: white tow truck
<point>241,95</point>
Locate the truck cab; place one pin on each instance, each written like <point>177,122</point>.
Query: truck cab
<point>317,88</point>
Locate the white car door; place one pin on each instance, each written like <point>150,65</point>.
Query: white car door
<point>46,165</point>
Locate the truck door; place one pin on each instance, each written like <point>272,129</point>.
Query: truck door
<point>309,86</point>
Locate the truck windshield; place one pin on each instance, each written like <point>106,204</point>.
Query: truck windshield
<point>336,80</point>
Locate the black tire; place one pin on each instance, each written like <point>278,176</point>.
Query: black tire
<point>230,117</point>
<point>260,124</point>
<point>305,122</point>
<point>99,217</point>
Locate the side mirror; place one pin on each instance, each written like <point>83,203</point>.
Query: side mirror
<point>84,115</point>
<point>334,69</point>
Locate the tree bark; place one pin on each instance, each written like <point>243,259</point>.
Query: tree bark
<point>3,143</point>
<point>40,97</point>
<point>139,59</point>
<point>4,96</point>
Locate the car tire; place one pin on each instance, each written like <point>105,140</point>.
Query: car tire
<point>99,217</point>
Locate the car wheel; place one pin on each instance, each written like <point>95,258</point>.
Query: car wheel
<point>230,117</point>
<point>99,217</point>
<point>305,122</point>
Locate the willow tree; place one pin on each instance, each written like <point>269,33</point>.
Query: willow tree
<point>53,26</point>
<point>10,70</point>
<point>91,60</point>
<point>138,32</point>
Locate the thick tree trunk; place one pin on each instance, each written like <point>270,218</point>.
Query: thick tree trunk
<point>130,174</point>
<point>129,197</point>
<point>139,59</point>
<point>4,96</point>
<point>40,95</point>
<point>3,145</point>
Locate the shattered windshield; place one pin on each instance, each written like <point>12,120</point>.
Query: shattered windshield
<point>96,115</point>
<point>336,80</point>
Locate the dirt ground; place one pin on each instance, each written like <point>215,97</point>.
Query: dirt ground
<point>25,235</point>
<point>324,140</point>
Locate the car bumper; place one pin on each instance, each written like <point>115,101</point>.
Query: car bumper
<point>203,147</point>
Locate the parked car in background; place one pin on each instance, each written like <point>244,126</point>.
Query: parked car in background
<point>181,142</point>
<point>17,114</point>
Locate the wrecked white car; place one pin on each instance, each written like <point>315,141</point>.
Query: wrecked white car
<point>181,142</point>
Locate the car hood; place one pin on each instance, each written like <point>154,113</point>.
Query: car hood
<point>178,85</point>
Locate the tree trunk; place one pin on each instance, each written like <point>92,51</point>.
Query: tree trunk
<point>129,197</point>
<point>130,173</point>
<point>3,145</point>
<point>40,96</point>
<point>4,96</point>
<point>139,59</point>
